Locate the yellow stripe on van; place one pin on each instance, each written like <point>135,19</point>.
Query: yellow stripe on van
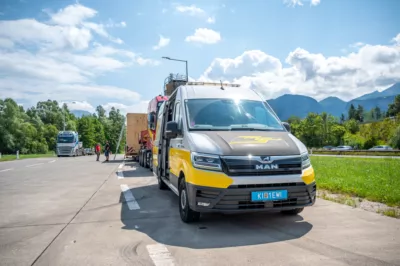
<point>180,161</point>
<point>308,175</point>
<point>155,156</point>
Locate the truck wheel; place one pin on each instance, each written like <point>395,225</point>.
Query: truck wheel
<point>151,164</point>
<point>187,214</point>
<point>293,212</point>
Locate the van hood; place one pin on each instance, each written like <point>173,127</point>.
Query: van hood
<point>239,143</point>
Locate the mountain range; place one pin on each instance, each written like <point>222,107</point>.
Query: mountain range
<point>300,105</point>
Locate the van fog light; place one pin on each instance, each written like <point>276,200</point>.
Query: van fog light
<point>203,204</point>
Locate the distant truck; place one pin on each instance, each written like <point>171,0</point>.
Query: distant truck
<point>135,124</point>
<point>68,144</point>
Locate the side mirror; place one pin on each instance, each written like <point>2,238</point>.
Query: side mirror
<point>286,125</point>
<point>172,130</point>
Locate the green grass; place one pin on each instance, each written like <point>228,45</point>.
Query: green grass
<point>12,157</point>
<point>370,178</point>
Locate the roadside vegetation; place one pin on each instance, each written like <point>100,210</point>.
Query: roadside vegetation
<point>373,179</point>
<point>360,129</point>
<point>34,131</point>
<point>11,157</point>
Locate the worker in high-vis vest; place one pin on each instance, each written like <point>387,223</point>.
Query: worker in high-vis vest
<point>97,149</point>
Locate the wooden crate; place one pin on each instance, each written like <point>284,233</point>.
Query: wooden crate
<point>135,123</point>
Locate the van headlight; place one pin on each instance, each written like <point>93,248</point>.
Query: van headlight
<point>206,161</point>
<point>305,160</point>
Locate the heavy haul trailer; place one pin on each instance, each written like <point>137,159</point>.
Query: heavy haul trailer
<point>135,124</point>
<point>146,140</point>
<point>222,148</point>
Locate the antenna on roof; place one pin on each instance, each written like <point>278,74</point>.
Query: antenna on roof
<point>222,87</point>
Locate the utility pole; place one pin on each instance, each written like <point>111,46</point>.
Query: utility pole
<point>179,60</point>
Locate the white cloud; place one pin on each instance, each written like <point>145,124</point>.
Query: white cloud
<point>203,35</point>
<point>162,43</point>
<point>6,43</point>
<point>190,10</point>
<point>370,68</point>
<point>211,20</point>
<point>293,3</point>
<point>140,107</point>
<point>315,2</point>
<point>396,39</point>
<point>60,58</point>
<point>76,105</point>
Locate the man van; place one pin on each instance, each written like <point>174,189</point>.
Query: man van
<point>221,148</point>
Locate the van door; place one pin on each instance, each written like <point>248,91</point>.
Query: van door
<point>175,146</point>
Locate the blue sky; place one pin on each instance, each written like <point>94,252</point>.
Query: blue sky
<point>101,52</point>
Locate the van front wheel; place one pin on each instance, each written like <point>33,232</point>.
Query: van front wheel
<point>187,214</point>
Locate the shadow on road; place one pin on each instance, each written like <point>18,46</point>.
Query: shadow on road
<point>158,217</point>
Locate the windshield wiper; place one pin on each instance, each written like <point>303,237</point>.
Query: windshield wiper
<point>245,127</point>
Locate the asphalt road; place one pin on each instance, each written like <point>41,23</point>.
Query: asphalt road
<point>76,211</point>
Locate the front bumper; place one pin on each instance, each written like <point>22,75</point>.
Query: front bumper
<point>237,198</point>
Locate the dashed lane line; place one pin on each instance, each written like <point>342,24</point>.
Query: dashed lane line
<point>5,170</point>
<point>120,174</point>
<point>52,161</point>
<point>129,198</point>
<point>160,255</point>
<point>36,164</point>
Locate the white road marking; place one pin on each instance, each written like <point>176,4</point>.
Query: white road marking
<point>120,174</point>
<point>129,198</point>
<point>34,164</point>
<point>160,255</point>
<point>52,161</point>
<point>121,165</point>
<point>5,170</point>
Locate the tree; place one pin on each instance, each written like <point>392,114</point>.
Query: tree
<point>359,113</point>
<point>395,139</point>
<point>342,119</point>
<point>378,113</point>
<point>352,112</point>
<point>394,108</point>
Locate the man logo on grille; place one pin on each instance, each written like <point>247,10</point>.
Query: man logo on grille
<point>266,159</point>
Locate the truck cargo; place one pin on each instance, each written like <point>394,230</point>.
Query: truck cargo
<point>222,148</point>
<point>135,124</point>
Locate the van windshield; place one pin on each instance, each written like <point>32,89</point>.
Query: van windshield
<point>230,114</point>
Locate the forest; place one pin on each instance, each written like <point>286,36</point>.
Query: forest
<point>34,131</point>
<point>361,129</point>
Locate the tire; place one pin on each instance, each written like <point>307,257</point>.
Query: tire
<point>151,163</point>
<point>187,214</point>
<point>293,212</point>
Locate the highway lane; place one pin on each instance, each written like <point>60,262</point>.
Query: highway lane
<point>76,211</point>
<point>17,164</point>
